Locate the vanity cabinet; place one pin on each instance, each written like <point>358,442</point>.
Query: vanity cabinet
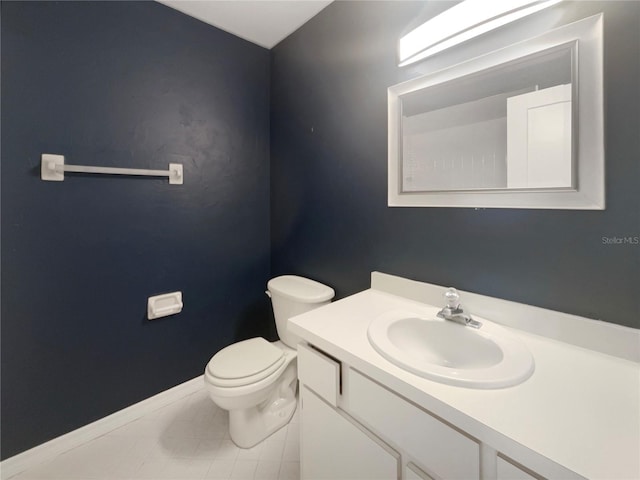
<point>333,445</point>
<point>508,471</point>
<point>412,472</point>
<point>432,445</point>
<point>352,427</point>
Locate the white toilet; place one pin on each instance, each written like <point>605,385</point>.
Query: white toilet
<point>256,380</point>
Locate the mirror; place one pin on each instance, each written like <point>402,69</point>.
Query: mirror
<point>517,128</point>
<point>505,127</point>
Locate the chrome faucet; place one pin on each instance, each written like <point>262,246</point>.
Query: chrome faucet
<point>454,312</point>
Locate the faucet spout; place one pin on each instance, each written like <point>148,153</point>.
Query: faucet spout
<point>454,312</point>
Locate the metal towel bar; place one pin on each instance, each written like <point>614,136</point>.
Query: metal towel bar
<point>53,168</point>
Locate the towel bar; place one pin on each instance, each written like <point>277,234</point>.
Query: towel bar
<point>53,168</point>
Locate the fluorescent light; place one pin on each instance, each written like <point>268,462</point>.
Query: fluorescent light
<point>462,22</point>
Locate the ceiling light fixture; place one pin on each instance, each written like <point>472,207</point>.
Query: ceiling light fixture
<point>462,22</point>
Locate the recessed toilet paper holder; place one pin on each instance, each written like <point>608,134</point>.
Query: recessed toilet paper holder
<point>164,305</point>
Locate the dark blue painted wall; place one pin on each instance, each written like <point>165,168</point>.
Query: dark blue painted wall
<point>139,85</point>
<point>329,213</point>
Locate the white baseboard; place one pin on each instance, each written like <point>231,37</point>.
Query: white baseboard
<point>49,450</point>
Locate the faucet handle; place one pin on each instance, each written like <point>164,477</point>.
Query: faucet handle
<point>452,297</point>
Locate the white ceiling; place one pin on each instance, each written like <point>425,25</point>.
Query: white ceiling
<point>263,22</point>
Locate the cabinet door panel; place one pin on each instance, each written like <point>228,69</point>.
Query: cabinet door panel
<point>333,447</point>
<point>437,447</point>
<point>508,471</point>
<point>320,373</point>
<point>412,472</point>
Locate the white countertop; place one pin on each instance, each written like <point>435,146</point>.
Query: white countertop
<point>579,409</point>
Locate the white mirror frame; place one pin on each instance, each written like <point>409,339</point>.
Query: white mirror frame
<point>589,193</point>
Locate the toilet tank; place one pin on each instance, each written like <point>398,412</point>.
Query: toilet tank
<point>292,295</point>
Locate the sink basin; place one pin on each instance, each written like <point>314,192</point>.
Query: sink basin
<point>447,352</point>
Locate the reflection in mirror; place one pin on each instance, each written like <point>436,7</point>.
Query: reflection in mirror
<point>505,127</point>
<point>519,127</point>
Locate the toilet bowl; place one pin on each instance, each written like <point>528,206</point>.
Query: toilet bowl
<point>255,380</point>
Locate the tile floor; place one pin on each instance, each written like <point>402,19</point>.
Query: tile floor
<point>186,440</point>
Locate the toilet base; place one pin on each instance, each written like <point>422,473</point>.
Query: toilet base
<point>257,410</point>
<point>249,427</point>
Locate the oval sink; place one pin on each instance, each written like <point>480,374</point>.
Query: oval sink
<point>445,351</point>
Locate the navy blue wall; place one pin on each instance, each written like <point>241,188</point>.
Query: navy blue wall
<point>329,213</point>
<point>139,85</point>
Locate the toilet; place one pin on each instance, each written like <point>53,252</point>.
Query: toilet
<point>256,380</point>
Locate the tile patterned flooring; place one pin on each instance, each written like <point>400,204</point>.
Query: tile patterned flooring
<point>186,440</point>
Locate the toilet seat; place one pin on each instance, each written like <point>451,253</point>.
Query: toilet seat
<point>244,363</point>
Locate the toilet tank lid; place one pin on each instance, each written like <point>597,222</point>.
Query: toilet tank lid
<point>300,289</point>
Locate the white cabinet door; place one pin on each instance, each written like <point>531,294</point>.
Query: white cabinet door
<point>320,373</point>
<point>334,447</point>
<point>412,472</point>
<point>435,447</point>
<point>508,471</point>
